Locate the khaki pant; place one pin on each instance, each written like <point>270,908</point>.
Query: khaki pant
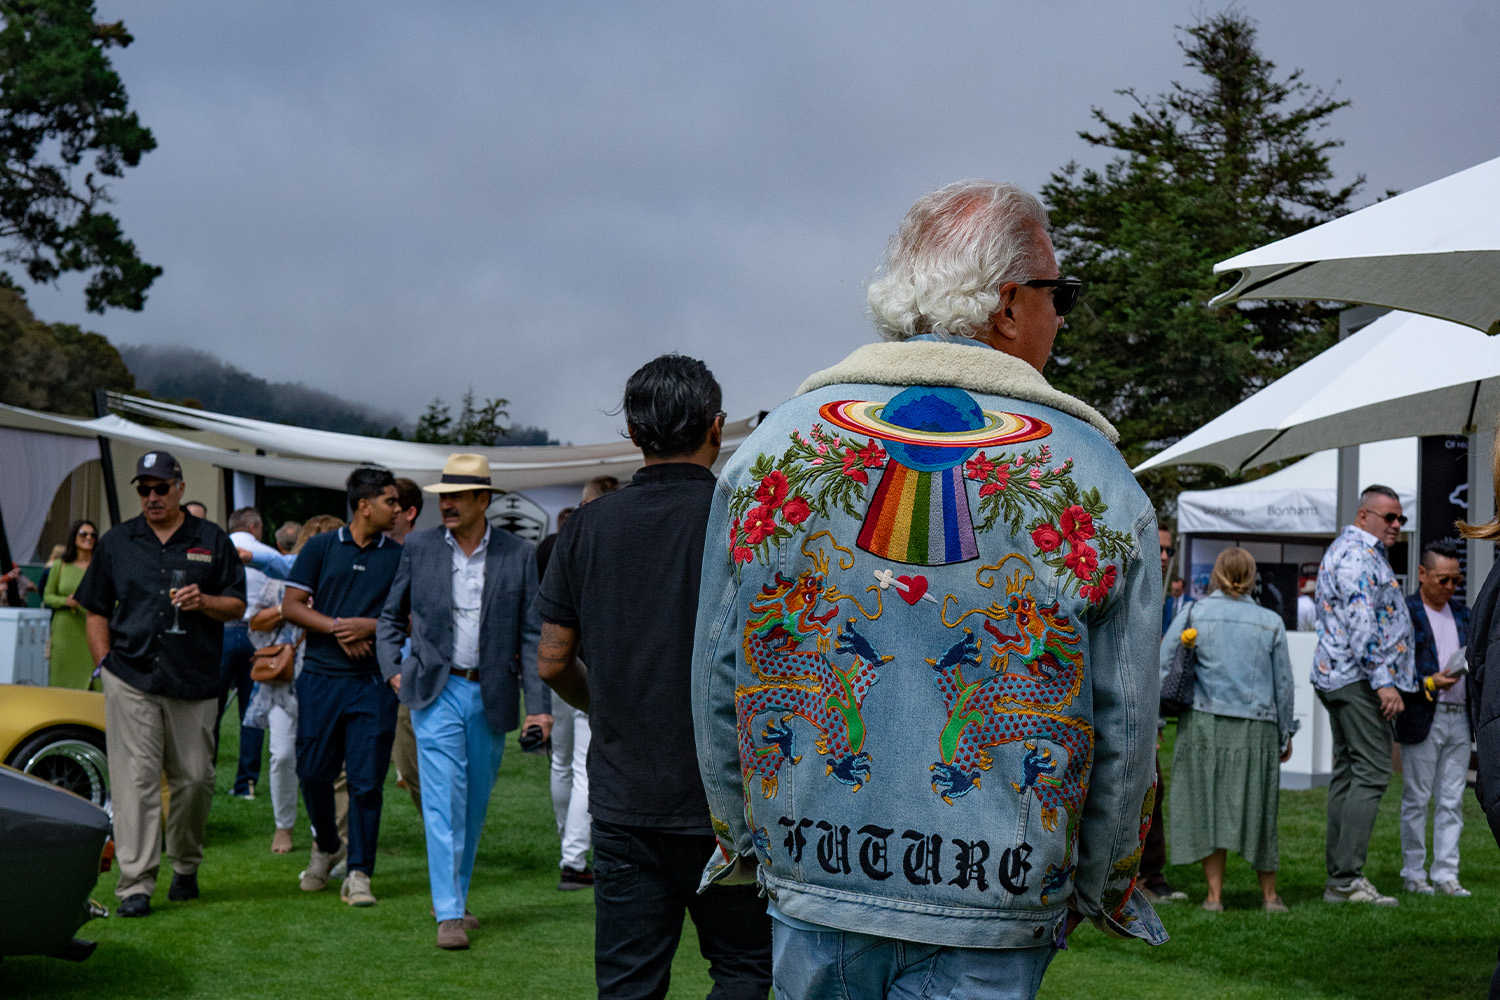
<point>404,756</point>
<point>147,737</point>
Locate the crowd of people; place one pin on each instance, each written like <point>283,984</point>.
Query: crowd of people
<point>874,706</point>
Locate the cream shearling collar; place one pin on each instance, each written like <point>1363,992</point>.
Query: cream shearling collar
<point>976,368</point>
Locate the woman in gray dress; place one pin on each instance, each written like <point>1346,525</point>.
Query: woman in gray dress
<point>1226,767</point>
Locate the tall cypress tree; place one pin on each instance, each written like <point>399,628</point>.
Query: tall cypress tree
<point>1235,160</point>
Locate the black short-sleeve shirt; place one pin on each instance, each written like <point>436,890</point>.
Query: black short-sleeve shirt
<point>625,573</point>
<point>346,581</point>
<point>127,581</point>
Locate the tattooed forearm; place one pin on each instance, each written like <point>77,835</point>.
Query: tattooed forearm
<point>557,663</point>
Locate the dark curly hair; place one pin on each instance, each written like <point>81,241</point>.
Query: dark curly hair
<point>669,405</point>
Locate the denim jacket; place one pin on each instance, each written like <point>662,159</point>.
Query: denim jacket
<point>1244,670</point>
<point>924,689</point>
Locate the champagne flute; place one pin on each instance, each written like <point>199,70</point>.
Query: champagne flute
<point>179,580</point>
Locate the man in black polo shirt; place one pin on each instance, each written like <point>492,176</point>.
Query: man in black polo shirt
<point>346,715</point>
<point>157,593</point>
<point>621,593</point>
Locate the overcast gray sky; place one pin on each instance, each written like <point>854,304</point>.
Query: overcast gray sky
<point>393,201</point>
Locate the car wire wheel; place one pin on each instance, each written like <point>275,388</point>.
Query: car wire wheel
<point>70,759</point>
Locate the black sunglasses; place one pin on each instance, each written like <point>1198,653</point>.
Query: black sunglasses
<point>160,489</point>
<point>89,534</point>
<point>1065,291</point>
<point>1389,518</point>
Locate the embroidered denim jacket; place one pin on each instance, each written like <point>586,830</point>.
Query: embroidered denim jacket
<point>1364,631</point>
<point>1244,669</point>
<point>925,686</point>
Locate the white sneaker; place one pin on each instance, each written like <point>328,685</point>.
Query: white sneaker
<point>1418,886</point>
<point>1359,891</point>
<point>1452,888</point>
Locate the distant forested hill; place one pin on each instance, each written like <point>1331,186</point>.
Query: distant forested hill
<point>188,375</point>
<point>197,377</point>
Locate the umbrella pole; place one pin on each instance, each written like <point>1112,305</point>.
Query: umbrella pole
<point>1481,501</point>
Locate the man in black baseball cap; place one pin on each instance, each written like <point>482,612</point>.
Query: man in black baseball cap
<point>158,592</point>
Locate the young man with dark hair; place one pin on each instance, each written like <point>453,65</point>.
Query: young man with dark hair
<point>346,715</point>
<point>158,592</point>
<point>621,595</point>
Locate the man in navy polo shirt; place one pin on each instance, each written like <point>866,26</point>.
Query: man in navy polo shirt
<point>346,715</point>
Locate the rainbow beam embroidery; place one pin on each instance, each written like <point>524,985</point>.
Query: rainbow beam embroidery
<point>920,518</point>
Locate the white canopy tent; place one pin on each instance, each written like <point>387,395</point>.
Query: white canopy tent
<point>1300,499</point>
<point>44,449</point>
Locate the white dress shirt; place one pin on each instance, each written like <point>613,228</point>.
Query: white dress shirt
<point>255,580</point>
<point>468,594</point>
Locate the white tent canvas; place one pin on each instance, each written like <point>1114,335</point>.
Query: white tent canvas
<point>1301,499</point>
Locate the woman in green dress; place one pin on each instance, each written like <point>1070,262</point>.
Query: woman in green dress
<point>72,665</point>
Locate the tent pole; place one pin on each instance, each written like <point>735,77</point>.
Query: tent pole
<point>107,460</point>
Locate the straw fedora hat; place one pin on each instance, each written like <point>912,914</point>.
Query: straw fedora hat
<point>463,472</point>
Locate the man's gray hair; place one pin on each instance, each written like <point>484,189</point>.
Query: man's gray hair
<point>244,519</point>
<point>1376,490</point>
<point>954,249</point>
<point>286,535</point>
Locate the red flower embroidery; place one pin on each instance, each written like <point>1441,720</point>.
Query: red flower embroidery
<point>796,510</point>
<point>1096,592</point>
<point>760,524</point>
<point>856,474</point>
<point>1044,536</point>
<point>1077,524</point>
<point>872,456</point>
<point>742,554</point>
<point>1082,560</point>
<point>772,489</point>
<point>979,468</point>
<point>989,488</point>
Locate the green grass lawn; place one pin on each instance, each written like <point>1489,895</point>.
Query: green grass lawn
<point>253,934</point>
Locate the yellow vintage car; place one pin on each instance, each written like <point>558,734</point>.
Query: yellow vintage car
<point>56,734</point>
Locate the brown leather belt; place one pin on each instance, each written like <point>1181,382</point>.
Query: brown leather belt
<point>468,675</point>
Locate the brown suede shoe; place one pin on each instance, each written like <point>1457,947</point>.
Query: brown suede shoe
<point>451,936</point>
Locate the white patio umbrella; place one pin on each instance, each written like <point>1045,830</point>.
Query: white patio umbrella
<point>1401,376</point>
<point>1434,250</point>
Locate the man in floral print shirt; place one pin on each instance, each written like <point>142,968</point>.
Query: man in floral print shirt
<point>1363,661</point>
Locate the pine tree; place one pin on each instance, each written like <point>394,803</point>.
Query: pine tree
<point>1205,171</point>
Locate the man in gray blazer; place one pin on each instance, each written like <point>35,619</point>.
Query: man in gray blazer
<point>464,591</point>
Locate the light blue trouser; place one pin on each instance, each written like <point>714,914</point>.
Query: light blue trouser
<point>458,756</point>
<point>814,965</point>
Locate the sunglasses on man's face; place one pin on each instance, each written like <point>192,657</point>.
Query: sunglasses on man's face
<point>1065,292</point>
<point>1449,581</point>
<point>160,489</point>
<point>1389,518</point>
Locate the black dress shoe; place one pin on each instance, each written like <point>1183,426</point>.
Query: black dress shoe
<point>138,905</point>
<point>184,887</point>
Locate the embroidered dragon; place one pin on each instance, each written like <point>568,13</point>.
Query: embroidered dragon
<point>803,683</point>
<point>1018,698</point>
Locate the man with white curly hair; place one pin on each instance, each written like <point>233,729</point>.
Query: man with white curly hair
<point>928,582</point>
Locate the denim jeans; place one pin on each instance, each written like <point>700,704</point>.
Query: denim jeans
<point>645,880</point>
<point>234,675</point>
<point>843,965</point>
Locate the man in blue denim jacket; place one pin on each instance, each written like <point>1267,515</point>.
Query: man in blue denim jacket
<point>924,683</point>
